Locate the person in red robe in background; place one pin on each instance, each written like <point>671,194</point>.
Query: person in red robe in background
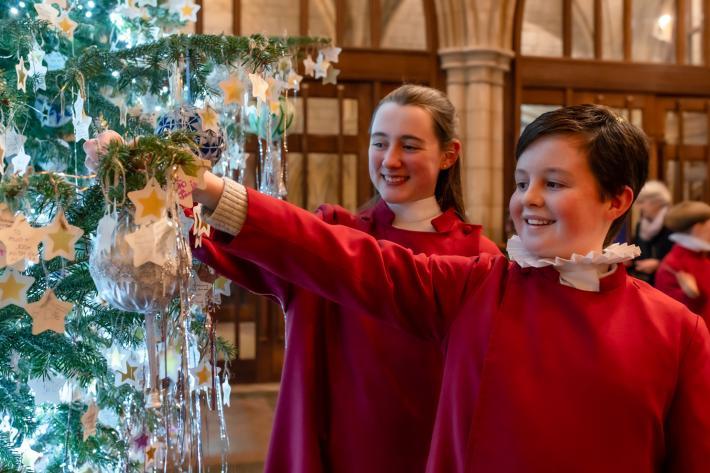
<point>554,361</point>
<point>357,394</point>
<point>684,273</point>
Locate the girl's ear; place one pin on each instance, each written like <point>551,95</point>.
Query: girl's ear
<point>450,155</point>
<point>620,203</point>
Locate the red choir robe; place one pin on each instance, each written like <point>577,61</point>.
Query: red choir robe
<point>357,394</point>
<point>538,376</point>
<point>696,263</point>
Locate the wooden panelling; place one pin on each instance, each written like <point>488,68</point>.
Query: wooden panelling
<point>614,76</point>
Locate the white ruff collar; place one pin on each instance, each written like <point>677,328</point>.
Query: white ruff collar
<point>689,242</point>
<point>579,271</point>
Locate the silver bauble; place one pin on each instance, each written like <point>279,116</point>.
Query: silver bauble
<point>146,288</point>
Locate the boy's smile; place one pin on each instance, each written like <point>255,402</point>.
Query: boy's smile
<point>557,206</point>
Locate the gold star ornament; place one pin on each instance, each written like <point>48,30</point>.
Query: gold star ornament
<point>149,202</point>
<point>60,238</point>
<point>21,75</point>
<point>233,90</point>
<point>209,119</point>
<point>13,288</point>
<point>66,25</point>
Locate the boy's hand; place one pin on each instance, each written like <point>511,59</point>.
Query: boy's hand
<point>648,266</point>
<point>688,284</point>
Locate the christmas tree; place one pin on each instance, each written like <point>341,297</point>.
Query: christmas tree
<point>108,352</point>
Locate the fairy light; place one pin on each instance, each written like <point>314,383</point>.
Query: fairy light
<point>14,11</point>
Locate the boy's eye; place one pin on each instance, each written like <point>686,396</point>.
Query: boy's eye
<point>410,148</point>
<point>377,144</point>
<point>554,185</point>
<point>521,185</point>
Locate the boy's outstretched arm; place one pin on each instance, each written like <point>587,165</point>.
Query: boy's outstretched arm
<point>420,294</point>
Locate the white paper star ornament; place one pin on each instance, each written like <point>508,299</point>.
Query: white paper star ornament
<point>332,76</point>
<point>259,86</point>
<point>309,65</point>
<point>21,161</point>
<point>60,237</point>
<point>188,11</point>
<point>80,120</point>
<point>104,232</point>
<point>150,243</point>
<point>48,313</point>
<point>149,202</point>
<point>331,54</point>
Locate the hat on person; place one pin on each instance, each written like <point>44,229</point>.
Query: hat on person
<point>655,190</point>
<point>682,217</point>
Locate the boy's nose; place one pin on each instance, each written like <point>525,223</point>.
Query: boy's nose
<point>532,197</point>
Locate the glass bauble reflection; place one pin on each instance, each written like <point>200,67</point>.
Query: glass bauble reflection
<point>146,288</point>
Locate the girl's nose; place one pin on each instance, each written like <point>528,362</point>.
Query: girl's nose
<point>392,158</point>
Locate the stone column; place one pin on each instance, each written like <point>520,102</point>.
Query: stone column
<point>475,86</point>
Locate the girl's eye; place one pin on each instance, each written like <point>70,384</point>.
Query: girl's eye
<point>410,148</point>
<point>377,145</point>
<point>554,185</point>
<point>521,185</point>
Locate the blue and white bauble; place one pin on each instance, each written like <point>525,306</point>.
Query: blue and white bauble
<point>50,113</point>
<point>210,144</point>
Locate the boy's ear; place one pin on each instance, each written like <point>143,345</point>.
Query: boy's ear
<point>620,203</point>
<point>451,154</point>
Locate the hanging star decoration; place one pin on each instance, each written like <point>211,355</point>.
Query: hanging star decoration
<point>226,391</point>
<point>66,25</point>
<point>106,227</point>
<point>88,420</point>
<point>332,76</point>
<point>294,80</point>
<point>184,184</point>
<point>258,86</point>
<point>46,12</point>
<point>201,227</point>
<point>309,65</point>
<point>60,237</point>
<point>150,243</point>
<point>21,241</point>
<point>322,66</point>
<point>188,11</point>
<point>149,202</point>
<point>29,456</point>
<point>203,374</point>
<point>133,375</point>
<point>14,287</point>
<point>80,120</point>
<point>222,286</point>
<point>21,75</point>
<point>21,161</point>
<point>14,141</point>
<point>209,118</point>
<point>37,69</point>
<point>331,54</point>
<point>48,313</point>
<point>232,89</point>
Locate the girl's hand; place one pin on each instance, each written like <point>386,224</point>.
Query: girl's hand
<point>688,284</point>
<point>96,147</point>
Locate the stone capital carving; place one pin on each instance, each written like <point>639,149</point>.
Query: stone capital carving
<point>471,64</point>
